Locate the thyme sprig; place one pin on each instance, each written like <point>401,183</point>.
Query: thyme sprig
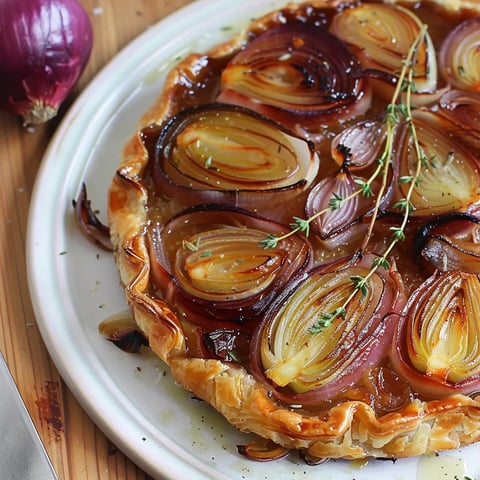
<point>396,112</point>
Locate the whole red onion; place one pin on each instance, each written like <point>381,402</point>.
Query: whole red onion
<point>44,47</point>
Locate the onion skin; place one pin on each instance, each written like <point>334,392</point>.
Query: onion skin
<point>44,48</point>
<point>436,345</point>
<point>459,56</point>
<point>317,366</point>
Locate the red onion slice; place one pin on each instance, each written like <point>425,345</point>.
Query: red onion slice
<point>218,268</point>
<point>449,177</point>
<point>451,242</point>
<point>381,36</point>
<point>436,345</point>
<point>90,224</point>
<point>298,68</point>
<point>313,364</point>
<point>459,56</point>
<point>220,153</point>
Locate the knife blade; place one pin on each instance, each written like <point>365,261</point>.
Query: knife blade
<point>22,454</point>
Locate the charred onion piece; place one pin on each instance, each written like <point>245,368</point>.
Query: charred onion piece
<point>318,364</point>
<point>227,345</point>
<point>436,346</point>
<point>381,36</point>
<point>123,332</point>
<point>218,266</point>
<point>451,242</point>
<point>225,154</point>
<point>300,68</point>
<point>449,179</point>
<point>459,56</point>
<point>89,223</point>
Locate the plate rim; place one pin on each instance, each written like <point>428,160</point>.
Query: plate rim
<point>170,467</point>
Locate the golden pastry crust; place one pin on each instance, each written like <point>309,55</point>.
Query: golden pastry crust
<point>349,430</point>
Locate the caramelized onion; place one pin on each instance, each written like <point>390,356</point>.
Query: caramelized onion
<point>436,346</point>
<point>449,178</point>
<point>219,269</point>
<point>263,450</point>
<point>459,56</point>
<point>381,36</point>
<point>359,145</point>
<point>462,108</point>
<point>312,460</point>
<point>90,224</point>
<point>226,154</point>
<point>451,242</point>
<point>341,187</point>
<point>298,68</point>
<point>318,364</point>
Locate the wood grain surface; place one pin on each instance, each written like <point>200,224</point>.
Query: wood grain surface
<point>76,447</point>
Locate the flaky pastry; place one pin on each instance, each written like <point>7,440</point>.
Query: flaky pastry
<point>350,425</point>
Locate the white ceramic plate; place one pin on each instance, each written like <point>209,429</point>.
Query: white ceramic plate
<point>74,285</point>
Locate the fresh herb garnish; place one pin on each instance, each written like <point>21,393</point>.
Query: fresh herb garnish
<point>398,110</point>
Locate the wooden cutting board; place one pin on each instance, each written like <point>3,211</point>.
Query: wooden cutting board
<point>76,447</point>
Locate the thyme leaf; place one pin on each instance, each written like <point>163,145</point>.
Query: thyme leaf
<point>301,225</point>
<point>271,241</point>
<point>193,247</point>
<point>325,320</point>
<point>335,201</point>
<point>360,284</point>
